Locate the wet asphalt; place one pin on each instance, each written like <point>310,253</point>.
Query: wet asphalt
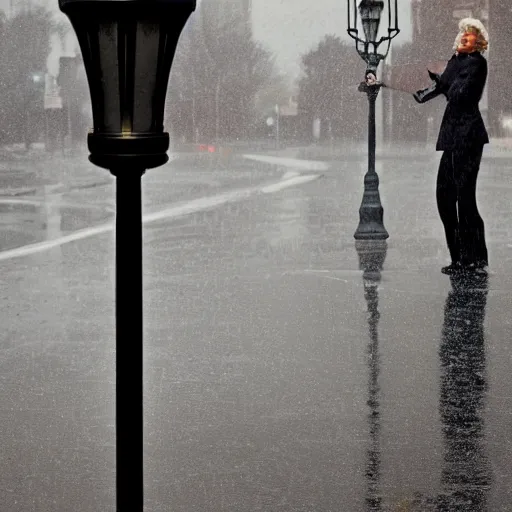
<point>287,368</point>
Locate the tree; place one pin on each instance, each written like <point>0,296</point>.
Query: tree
<point>218,70</point>
<point>276,91</point>
<point>328,91</point>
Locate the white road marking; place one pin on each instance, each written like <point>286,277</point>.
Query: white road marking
<point>194,206</point>
<point>297,180</point>
<point>290,174</point>
<point>308,165</point>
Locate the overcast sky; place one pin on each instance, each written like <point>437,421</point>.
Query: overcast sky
<point>291,27</point>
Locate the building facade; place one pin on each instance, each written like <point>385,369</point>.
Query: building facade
<point>435,26</point>
<point>500,100</point>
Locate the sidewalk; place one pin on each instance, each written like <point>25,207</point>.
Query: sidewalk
<point>23,172</point>
<point>496,149</point>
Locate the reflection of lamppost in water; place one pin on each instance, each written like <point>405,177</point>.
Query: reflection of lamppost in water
<point>52,213</point>
<point>371,260</point>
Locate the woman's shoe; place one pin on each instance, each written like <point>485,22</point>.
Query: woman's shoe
<point>480,267</point>
<point>453,268</point>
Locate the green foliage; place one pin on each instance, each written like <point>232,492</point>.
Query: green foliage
<point>328,91</point>
<point>217,73</point>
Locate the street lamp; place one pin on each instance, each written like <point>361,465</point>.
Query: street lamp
<point>34,104</point>
<point>371,225</point>
<point>128,47</point>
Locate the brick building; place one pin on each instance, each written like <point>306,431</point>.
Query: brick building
<point>435,25</point>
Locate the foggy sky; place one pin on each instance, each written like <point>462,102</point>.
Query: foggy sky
<point>291,27</point>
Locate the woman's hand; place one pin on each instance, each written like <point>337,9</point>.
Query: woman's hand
<point>434,76</point>
<point>371,79</point>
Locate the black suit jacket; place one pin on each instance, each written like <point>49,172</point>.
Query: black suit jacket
<point>462,83</point>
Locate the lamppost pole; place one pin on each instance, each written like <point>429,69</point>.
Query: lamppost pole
<point>129,341</point>
<point>128,47</point>
<point>371,213</point>
<point>278,134</point>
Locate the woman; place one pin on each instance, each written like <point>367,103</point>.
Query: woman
<point>461,138</point>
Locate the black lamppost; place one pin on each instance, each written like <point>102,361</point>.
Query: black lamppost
<point>371,225</point>
<point>128,47</point>
<point>34,104</point>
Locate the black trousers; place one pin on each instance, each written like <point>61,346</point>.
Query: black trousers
<point>456,202</point>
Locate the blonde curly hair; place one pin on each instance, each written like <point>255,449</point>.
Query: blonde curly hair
<point>473,26</point>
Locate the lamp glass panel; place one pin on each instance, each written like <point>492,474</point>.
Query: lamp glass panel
<point>370,17</point>
<point>147,48</point>
<point>375,11</point>
<point>371,28</point>
<point>109,70</point>
<point>127,55</point>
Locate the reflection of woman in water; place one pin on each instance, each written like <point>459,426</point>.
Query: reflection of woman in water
<point>466,470</point>
<point>461,138</point>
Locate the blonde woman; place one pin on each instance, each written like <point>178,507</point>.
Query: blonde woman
<point>461,138</point>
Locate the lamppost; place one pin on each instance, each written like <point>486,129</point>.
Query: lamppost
<point>278,122</point>
<point>34,104</point>
<point>371,225</point>
<point>67,80</point>
<point>128,47</point>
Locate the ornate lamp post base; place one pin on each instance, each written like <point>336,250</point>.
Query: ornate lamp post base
<point>371,224</point>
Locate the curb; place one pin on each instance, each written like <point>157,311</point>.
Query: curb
<point>56,188</point>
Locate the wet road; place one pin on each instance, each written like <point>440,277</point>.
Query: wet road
<point>286,368</point>
<point>77,195</point>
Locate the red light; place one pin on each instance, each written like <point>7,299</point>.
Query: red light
<point>211,149</point>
